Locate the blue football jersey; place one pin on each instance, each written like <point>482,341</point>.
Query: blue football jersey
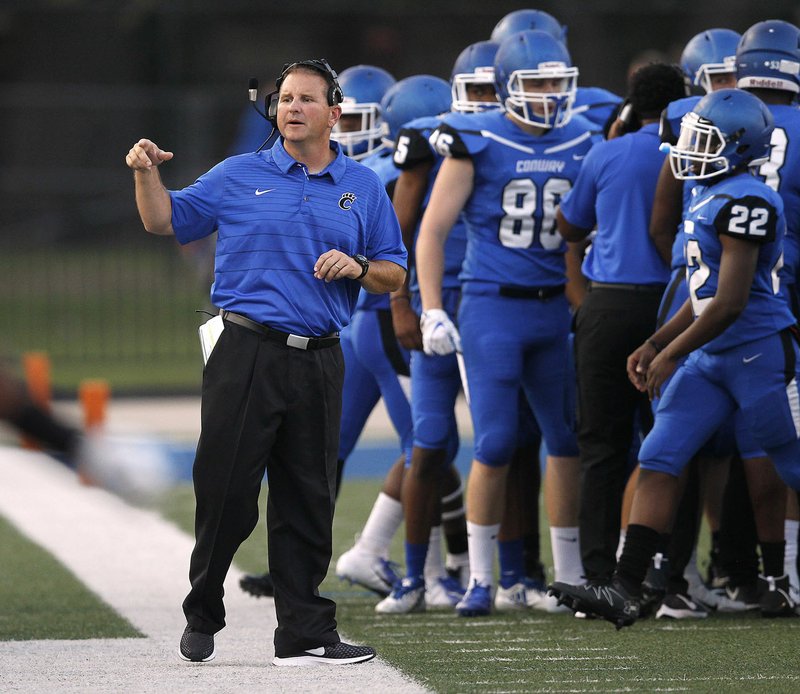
<point>519,181</point>
<point>782,173</point>
<point>596,105</point>
<point>745,208</point>
<point>413,147</point>
<point>381,163</point>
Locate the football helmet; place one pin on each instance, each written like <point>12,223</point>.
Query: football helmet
<point>536,55</point>
<point>528,20</point>
<point>768,57</point>
<point>413,97</point>
<point>727,130</point>
<point>363,87</point>
<point>474,65</point>
<point>711,52</point>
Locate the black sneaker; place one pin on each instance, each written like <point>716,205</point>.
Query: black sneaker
<point>334,654</point>
<point>196,646</point>
<point>679,606</point>
<point>259,585</point>
<point>611,601</point>
<point>774,599</point>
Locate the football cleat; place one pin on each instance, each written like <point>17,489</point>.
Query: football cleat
<point>654,586</point>
<point>741,598</point>
<point>372,572</point>
<point>408,595</point>
<point>678,606</point>
<point>512,598</point>
<point>258,585</point>
<point>477,601</point>
<point>611,601</point>
<point>774,598</point>
<point>444,591</point>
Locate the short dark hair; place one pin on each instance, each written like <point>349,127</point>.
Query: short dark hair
<point>654,86</point>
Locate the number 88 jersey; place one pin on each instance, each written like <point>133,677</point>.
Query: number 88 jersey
<point>519,181</point>
<point>745,208</point>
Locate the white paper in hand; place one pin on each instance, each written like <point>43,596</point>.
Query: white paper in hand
<point>209,334</point>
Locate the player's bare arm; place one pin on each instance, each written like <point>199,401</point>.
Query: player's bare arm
<point>450,192</point>
<point>152,198</point>
<point>666,214</point>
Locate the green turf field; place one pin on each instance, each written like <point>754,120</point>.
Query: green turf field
<point>529,652</point>
<point>40,599</point>
<point>536,652</point>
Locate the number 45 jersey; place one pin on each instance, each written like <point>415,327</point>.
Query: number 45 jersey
<point>519,181</point>
<point>744,208</point>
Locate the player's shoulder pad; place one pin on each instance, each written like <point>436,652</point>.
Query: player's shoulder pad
<point>670,124</point>
<point>752,216</point>
<point>460,135</point>
<point>412,146</point>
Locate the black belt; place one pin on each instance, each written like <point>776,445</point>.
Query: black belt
<point>296,341</point>
<point>640,288</point>
<point>531,292</point>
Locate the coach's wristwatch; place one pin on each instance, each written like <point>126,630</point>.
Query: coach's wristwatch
<point>363,262</point>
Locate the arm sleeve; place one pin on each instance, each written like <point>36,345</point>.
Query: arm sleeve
<point>750,218</point>
<point>412,148</point>
<point>194,208</point>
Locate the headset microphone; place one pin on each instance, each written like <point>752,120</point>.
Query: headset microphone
<point>252,95</point>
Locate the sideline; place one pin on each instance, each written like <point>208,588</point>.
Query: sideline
<point>138,563</point>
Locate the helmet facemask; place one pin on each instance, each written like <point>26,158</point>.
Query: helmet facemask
<point>365,139</point>
<point>702,77</point>
<point>698,152</point>
<point>460,88</point>
<point>544,109</point>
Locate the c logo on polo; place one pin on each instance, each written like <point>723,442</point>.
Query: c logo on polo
<point>347,200</point>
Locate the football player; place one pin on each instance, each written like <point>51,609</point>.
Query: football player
<point>596,104</point>
<point>365,563</point>
<point>507,170</point>
<point>735,328</point>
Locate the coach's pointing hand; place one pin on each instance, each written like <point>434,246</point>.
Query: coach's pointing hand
<point>145,154</point>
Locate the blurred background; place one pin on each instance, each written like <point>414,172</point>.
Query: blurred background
<point>82,80</point>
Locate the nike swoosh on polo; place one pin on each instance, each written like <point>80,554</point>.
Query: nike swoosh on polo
<point>261,192</point>
<point>747,360</point>
<point>578,157</point>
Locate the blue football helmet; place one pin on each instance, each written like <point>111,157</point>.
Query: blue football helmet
<point>711,52</point>
<point>414,97</point>
<point>768,57</point>
<point>727,130</point>
<point>528,20</point>
<point>363,87</point>
<point>535,55</point>
<point>474,65</point>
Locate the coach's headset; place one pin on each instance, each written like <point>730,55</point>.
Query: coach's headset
<point>334,95</point>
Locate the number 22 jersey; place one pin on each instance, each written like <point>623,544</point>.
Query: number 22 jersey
<point>741,207</point>
<point>519,180</point>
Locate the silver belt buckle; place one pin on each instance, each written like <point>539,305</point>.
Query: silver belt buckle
<point>297,341</point>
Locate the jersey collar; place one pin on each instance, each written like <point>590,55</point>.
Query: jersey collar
<point>285,161</point>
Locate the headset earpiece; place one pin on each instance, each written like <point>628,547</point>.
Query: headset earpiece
<point>271,107</point>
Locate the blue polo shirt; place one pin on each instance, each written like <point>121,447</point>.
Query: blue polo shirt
<point>615,190</point>
<point>274,220</point>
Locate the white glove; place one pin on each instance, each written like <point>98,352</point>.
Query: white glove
<point>439,335</point>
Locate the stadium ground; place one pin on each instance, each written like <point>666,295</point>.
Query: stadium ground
<point>137,563</point>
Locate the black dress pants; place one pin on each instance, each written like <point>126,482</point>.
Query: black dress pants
<point>268,406</point>
<point>610,324</point>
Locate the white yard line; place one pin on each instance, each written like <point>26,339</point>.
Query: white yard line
<point>138,564</point>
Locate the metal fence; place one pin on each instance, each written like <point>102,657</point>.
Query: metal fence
<point>126,313</point>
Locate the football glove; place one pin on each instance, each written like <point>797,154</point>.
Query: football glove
<point>439,335</point>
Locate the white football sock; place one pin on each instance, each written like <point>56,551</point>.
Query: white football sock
<point>567,563</point>
<point>383,522</point>
<point>482,541</point>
